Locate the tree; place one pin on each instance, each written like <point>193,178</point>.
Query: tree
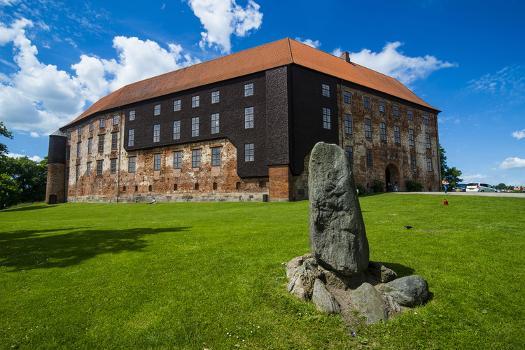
<point>501,186</point>
<point>29,176</point>
<point>9,191</point>
<point>6,133</point>
<point>442,161</point>
<point>452,175</point>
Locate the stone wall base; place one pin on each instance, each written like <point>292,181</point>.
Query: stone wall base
<point>182,197</point>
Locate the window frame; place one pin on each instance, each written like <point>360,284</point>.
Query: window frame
<point>100,167</point>
<point>249,117</point>
<point>348,123</point>
<point>368,128</point>
<point>131,115</point>
<point>215,123</point>
<point>131,137</point>
<point>157,109</point>
<point>215,96</point>
<point>383,132</point>
<point>156,133</point>
<point>195,101</point>
<point>397,135</point>
<point>177,159</point>
<point>249,89</point>
<point>327,118</point>
<point>196,158</point>
<point>176,129</point>
<point>157,161</point>
<point>114,141</point>
<point>132,160</point>
<point>216,159</point>
<point>195,126</point>
<point>249,152</point>
<point>325,90</point>
<point>113,165</point>
<point>177,105</point>
<point>101,141</point>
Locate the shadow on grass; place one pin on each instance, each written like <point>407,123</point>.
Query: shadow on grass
<point>25,250</point>
<point>401,270</point>
<point>28,208</point>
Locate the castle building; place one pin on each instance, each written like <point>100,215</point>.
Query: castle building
<point>241,127</point>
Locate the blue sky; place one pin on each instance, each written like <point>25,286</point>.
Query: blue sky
<point>467,59</point>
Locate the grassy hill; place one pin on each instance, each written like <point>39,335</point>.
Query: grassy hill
<point>210,275</point>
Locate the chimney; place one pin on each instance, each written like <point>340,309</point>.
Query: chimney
<point>345,55</point>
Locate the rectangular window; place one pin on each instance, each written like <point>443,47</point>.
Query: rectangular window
<point>90,145</point>
<point>397,135</point>
<point>410,115</point>
<point>156,110</point>
<point>215,122</point>
<point>195,125</point>
<point>348,124</point>
<point>100,165</point>
<point>327,118</point>
<point>325,90</point>
<point>425,119</point>
<point>366,102</point>
<point>131,115</point>
<point>395,111</point>
<point>411,141</point>
<point>248,89</point>
<point>215,96</point>
<point>156,162</point>
<point>429,164</point>
<point>113,165</point>
<point>177,105</point>
<point>347,97</point>
<point>368,128</point>
<point>177,159</point>
<point>428,142</point>
<point>79,131</point>
<point>248,118</point>
<point>369,158</point>
<point>196,158</point>
<point>216,156</point>
<point>77,172</point>
<point>102,123</point>
<point>176,130</point>
<point>91,126</point>
<point>382,132</point>
<point>413,163</point>
<point>88,168</point>
<point>101,143</point>
<point>116,119</point>
<point>131,137</point>
<point>382,107</point>
<point>249,152</point>
<point>195,101</point>
<point>156,133</point>
<point>79,144</point>
<point>114,141</point>
<point>350,153</point>
<point>132,164</point>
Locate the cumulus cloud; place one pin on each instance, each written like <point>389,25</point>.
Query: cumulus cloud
<point>512,162</point>
<point>393,62</point>
<point>18,155</point>
<point>39,97</point>
<point>519,134</point>
<point>309,42</point>
<point>223,18</point>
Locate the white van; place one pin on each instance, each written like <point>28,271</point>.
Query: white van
<point>479,187</point>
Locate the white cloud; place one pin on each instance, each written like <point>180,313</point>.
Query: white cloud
<point>309,42</point>
<point>18,155</point>
<point>509,81</point>
<point>223,18</point>
<point>473,177</point>
<point>512,162</point>
<point>519,134</point>
<point>7,2</point>
<point>391,61</point>
<point>39,97</point>
<point>34,134</point>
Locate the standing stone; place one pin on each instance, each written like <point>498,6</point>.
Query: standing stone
<point>337,231</point>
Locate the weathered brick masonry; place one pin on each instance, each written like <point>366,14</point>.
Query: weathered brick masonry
<point>259,116</point>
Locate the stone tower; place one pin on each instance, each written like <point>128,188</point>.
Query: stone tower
<point>56,168</point>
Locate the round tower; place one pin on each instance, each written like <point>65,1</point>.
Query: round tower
<point>56,168</point>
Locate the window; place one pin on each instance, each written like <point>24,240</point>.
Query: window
<point>215,96</point>
<point>116,119</point>
<point>79,131</point>
<point>91,126</point>
<point>131,115</point>
<point>397,135</point>
<point>216,156</point>
<point>248,118</point>
<point>249,152</point>
<point>113,165</point>
<point>100,165</point>
<point>195,158</point>
<point>215,123</point>
<point>413,163</point>
<point>102,123</point>
<point>325,90</point>
<point>114,141</point>
<point>411,141</point>
<point>69,134</point>
<point>100,143</point>
<point>195,101</point>
<point>90,145</point>
<point>382,107</point>
<point>429,164</point>
<point>131,137</point>
<point>410,115</point>
<point>248,89</point>
<point>156,110</point>
<point>132,164</point>
<point>77,172</point>
<point>88,168</point>
<point>350,153</point>
<point>368,128</point>
<point>369,159</point>
<point>327,118</point>
<point>176,130</point>
<point>425,119</point>
<point>195,126</point>
<point>156,162</point>
<point>347,97</point>
<point>348,124</point>
<point>78,149</point>
<point>156,133</point>
<point>382,132</point>
<point>428,142</point>
<point>177,159</point>
<point>395,111</point>
<point>366,102</point>
<point>177,105</point>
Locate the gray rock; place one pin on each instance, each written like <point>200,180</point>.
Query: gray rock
<point>293,264</point>
<point>301,283</point>
<point>368,302</point>
<point>323,300</point>
<point>407,291</point>
<point>381,272</point>
<point>337,231</point>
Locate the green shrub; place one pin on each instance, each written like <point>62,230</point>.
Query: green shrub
<point>361,189</point>
<point>413,186</point>
<point>378,186</point>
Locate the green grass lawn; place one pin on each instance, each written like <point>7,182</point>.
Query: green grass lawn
<point>210,275</point>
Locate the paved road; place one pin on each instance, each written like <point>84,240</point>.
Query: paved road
<point>480,194</point>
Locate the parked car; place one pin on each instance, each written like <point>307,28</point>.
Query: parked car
<point>460,188</point>
<point>479,187</point>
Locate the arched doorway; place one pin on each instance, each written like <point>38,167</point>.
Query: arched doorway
<point>392,178</point>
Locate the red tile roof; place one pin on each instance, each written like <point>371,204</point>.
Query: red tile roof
<point>260,58</point>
